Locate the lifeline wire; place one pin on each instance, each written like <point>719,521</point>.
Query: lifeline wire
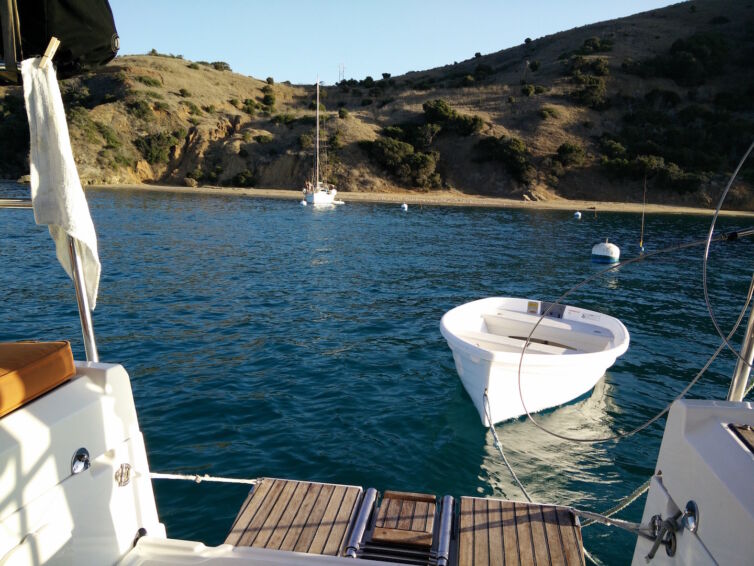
<point>706,257</point>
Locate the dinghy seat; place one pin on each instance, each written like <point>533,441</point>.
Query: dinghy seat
<point>30,369</point>
<point>573,334</point>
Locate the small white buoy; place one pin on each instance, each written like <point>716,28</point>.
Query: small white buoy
<point>577,215</point>
<point>606,253</point>
<point>404,207</point>
<point>303,203</point>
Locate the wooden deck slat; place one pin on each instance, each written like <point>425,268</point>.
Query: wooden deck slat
<point>552,529</point>
<point>310,529</point>
<point>346,512</point>
<point>510,532</point>
<point>430,517</point>
<point>392,510</point>
<point>247,538</point>
<point>406,515</point>
<point>302,516</point>
<point>481,532</point>
<point>248,510</point>
<point>421,512</point>
<point>466,533</point>
<point>571,540</point>
<point>523,530</point>
<point>503,533</point>
<point>538,537</point>
<point>271,523</point>
<point>328,520</point>
<point>288,517</point>
<point>409,496</point>
<point>495,514</point>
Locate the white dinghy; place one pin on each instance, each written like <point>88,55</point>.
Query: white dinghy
<point>568,352</point>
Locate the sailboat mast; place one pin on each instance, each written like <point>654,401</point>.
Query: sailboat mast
<point>316,168</point>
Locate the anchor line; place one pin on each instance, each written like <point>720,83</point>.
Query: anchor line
<point>196,478</point>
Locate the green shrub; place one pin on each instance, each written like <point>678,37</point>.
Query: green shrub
<point>153,94</point>
<point>548,112</point>
<point>386,76</point>
<point>400,159</point>
<point>192,108</point>
<point>235,102</point>
<point>689,62</point>
<point>571,154</point>
<point>140,109</point>
<point>220,66</point>
<point>527,90</point>
<point>438,111</point>
<point>534,66</point>
<point>184,93</point>
<point>593,95</point>
<point>482,71</point>
<point>270,81</point>
<point>156,147</point>
<point>306,141</point>
<point>540,89</point>
<point>343,113</point>
<point>595,45</point>
<point>209,109</point>
<point>112,140</point>
<point>193,66</point>
<point>149,81</point>
<point>285,119</point>
<point>511,152</point>
<point>244,179</point>
<point>197,174</point>
<point>268,100</point>
<point>263,139</point>
<point>249,106</point>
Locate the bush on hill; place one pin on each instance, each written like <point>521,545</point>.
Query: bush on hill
<point>438,111</point>
<point>511,152</point>
<point>689,62</point>
<point>156,147</point>
<point>400,159</point>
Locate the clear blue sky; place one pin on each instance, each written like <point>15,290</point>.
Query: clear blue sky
<point>297,40</point>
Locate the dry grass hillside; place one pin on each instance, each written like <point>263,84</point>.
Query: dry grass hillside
<point>590,113</point>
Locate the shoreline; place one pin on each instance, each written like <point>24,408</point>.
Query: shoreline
<point>436,198</point>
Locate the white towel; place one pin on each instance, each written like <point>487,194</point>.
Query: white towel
<point>56,192</point>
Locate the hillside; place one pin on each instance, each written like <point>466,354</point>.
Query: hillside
<point>588,113</point>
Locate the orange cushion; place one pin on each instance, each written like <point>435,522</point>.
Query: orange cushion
<point>29,369</point>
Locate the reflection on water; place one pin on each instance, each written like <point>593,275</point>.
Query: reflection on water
<point>534,451</point>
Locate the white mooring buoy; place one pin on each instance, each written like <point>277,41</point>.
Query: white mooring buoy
<point>606,253</point>
<point>404,207</point>
<point>577,215</point>
<point>303,203</point>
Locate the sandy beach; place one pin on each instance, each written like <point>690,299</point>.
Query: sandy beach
<point>435,198</point>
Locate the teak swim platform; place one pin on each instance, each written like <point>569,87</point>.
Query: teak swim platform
<point>404,528</point>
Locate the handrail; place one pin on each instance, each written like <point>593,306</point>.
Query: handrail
<point>740,379</point>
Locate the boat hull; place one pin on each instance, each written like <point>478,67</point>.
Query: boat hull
<point>550,373</point>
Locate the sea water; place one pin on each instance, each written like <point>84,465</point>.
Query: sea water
<point>268,339</point>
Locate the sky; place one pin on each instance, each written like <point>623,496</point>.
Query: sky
<point>298,40</point>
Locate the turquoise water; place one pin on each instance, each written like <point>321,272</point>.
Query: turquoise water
<point>268,339</point>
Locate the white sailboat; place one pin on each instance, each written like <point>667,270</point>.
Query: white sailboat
<point>319,193</point>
